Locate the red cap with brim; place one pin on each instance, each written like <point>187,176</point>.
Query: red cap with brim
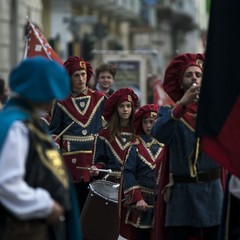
<point>146,111</point>
<point>75,63</point>
<point>175,70</point>
<point>119,96</point>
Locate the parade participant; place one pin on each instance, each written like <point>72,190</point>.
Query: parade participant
<point>139,173</point>
<point>112,141</point>
<point>35,194</point>
<point>46,117</point>
<point>74,122</point>
<point>104,76</point>
<point>194,194</point>
<point>109,152</point>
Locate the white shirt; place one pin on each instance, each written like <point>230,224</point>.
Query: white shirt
<point>234,186</point>
<point>16,195</point>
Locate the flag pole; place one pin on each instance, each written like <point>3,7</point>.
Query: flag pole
<point>26,41</point>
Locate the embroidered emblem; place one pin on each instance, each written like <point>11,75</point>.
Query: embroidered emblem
<point>82,64</point>
<point>74,160</point>
<point>57,165</point>
<point>82,104</point>
<point>199,62</point>
<point>84,132</point>
<point>130,98</point>
<point>153,114</point>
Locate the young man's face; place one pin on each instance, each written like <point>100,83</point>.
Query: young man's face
<point>193,74</point>
<point>79,80</point>
<point>105,80</point>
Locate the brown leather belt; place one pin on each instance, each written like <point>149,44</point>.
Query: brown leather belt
<point>207,176</point>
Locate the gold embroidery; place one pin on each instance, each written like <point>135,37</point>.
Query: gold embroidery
<point>52,161</point>
<point>77,152</point>
<point>88,138</point>
<point>147,146</point>
<point>192,159</point>
<point>122,147</point>
<point>199,62</point>
<point>77,120</point>
<point>153,114</point>
<point>82,64</point>
<point>130,98</point>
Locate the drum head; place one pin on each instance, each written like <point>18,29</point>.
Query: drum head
<point>105,189</point>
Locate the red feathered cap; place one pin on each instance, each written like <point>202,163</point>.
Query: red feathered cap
<point>75,63</point>
<point>119,96</point>
<point>146,111</point>
<point>175,70</point>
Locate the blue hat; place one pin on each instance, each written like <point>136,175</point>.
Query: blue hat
<point>40,80</point>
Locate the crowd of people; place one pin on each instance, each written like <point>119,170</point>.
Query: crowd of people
<point>58,136</point>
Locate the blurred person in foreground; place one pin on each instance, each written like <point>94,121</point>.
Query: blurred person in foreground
<point>36,199</point>
<point>194,194</point>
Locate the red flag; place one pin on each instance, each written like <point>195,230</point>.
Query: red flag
<point>37,45</point>
<point>218,115</point>
<point>160,97</point>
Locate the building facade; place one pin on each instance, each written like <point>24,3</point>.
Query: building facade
<point>157,28</point>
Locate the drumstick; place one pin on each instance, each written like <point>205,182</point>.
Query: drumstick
<point>63,131</point>
<point>134,206</point>
<point>100,170</point>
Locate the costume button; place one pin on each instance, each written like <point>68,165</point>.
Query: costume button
<point>74,160</point>
<point>84,131</point>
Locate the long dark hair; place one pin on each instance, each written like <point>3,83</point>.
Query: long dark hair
<point>114,125</point>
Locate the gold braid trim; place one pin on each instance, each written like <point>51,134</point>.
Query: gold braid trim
<point>193,160</point>
<point>77,120</point>
<point>112,149</point>
<point>188,125</point>
<point>40,134</point>
<point>77,152</point>
<point>142,158</point>
<point>131,189</point>
<point>78,138</point>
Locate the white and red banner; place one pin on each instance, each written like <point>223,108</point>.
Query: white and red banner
<point>160,97</point>
<point>37,45</point>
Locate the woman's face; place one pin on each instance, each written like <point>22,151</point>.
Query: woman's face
<point>124,110</point>
<point>147,124</point>
<point>193,74</point>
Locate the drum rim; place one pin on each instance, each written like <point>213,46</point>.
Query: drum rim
<point>100,195</point>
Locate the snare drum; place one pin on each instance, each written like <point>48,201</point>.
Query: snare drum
<point>99,217</point>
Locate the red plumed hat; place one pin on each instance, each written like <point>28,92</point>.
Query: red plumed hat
<point>175,70</point>
<point>75,63</point>
<point>119,96</point>
<point>146,111</point>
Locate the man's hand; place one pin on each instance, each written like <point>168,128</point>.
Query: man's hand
<point>190,96</point>
<point>56,213</point>
<point>94,171</point>
<point>142,205</point>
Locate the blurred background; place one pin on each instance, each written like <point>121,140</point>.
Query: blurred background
<point>138,36</point>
